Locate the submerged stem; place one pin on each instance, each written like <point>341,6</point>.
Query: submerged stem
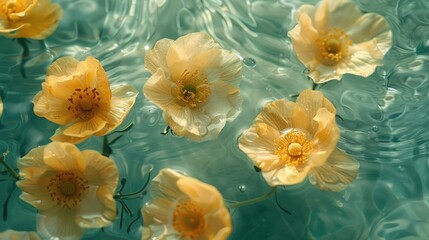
<point>254,200</point>
<point>7,166</point>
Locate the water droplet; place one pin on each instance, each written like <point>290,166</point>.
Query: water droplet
<point>250,62</point>
<point>375,128</point>
<point>242,188</point>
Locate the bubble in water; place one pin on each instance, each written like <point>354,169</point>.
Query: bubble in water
<point>250,62</point>
<point>401,168</point>
<point>375,128</point>
<point>242,188</point>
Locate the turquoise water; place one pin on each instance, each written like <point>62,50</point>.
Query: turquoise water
<point>385,122</point>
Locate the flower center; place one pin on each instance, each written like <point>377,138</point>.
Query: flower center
<point>192,89</point>
<point>293,148</point>
<point>67,189</point>
<point>188,220</point>
<point>11,7</point>
<point>84,103</point>
<point>333,46</point>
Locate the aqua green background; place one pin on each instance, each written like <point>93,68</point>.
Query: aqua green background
<point>385,116</point>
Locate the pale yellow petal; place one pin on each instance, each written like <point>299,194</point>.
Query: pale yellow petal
<point>164,184</point>
<point>64,66</point>
<point>32,165</point>
<point>187,47</point>
<point>258,143</point>
<point>157,57</point>
<point>97,209</point>
<point>336,173</point>
<point>60,137</point>
<point>18,235</point>
<point>283,115</point>
<point>219,65</point>
<point>285,176</point>
<point>158,90</point>
<point>63,157</point>
<point>206,196</point>
<point>219,225</point>
<point>224,102</point>
<point>52,108</point>
<point>193,124</point>
<point>325,138</point>
<point>35,193</point>
<point>85,128</point>
<point>303,37</point>
<point>337,13</point>
<point>122,101</point>
<point>156,217</point>
<point>58,223</point>
<point>312,101</point>
<point>371,26</point>
<point>38,21</point>
<point>96,76</point>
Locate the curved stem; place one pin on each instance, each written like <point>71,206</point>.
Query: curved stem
<point>7,166</point>
<point>254,200</point>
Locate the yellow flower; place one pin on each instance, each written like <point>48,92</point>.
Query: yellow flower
<point>184,208</point>
<point>292,140</point>
<point>336,38</point>
<point>72,190</point>
<point>77,95</point>
<point>18,235</point>
<point>195,82</point>
<point>36,19</point>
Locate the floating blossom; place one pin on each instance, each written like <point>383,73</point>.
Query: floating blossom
<point>36,19</point>
<point>292,140</point>
<point>19,235</point>
<point>184,208</point>
<point>78,96</point>
<point>336,38</point>
<point>72,190</point>
<point>195,82</point>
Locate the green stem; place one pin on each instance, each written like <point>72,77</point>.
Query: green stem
<point>254,200</point>
<point>7,166</point>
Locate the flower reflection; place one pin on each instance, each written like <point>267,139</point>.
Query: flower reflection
<point>72,190</point>
<point>36,19</point>
<point>1,107</point>
<point>184,208</point>
<point>78,96</point>
<point>195,82</point>
<point>19,235</point>
<point>336,38</point>
<point>292,140</point>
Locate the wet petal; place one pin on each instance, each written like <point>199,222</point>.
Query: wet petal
<point>312,101</point>
<point>336,173</point>
<point>158,89</point>
<point>85,128</point>
<point>282,114</point>
<point>58,222</point>
<point>224,101</point>
<point>64,66</point>
<point>285,176</point>
<point>63,157</point>
<point>206,196</point>
<point>156,57</point>
<point>164,184</point>
<point>258,143</point>
<point>122,101</point>
<point>187,47</point>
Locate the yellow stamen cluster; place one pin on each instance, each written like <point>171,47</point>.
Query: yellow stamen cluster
<point>84,103</point>
<point>67,189</point>
<point>293,148</point>
<point>11,7</point>
<point>333,46</point>
<point>188,220</point>
<point>192,88</point>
